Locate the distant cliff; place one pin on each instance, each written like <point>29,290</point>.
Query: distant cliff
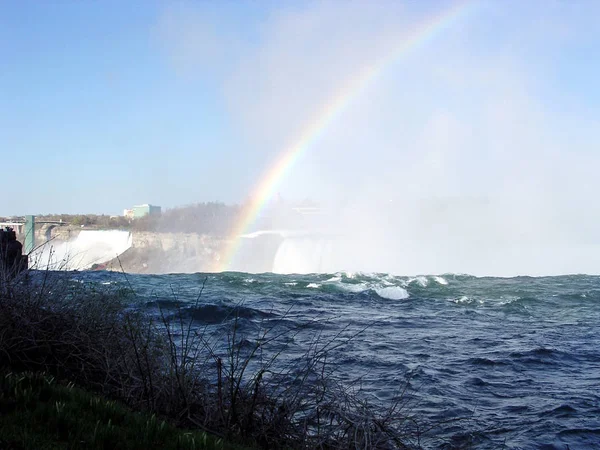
<point>153,252</point>
<point>150,252</point>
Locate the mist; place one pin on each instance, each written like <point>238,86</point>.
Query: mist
<point>468,154</point>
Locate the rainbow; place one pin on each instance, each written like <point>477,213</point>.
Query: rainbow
<point>266,187</point>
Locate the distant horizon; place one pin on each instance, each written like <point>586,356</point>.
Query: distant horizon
<point>290,202</point>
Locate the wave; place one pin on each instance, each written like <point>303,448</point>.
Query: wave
<point>485,362</point>
<point>511,296</point>
<point>214,314</point>
<point>420,280</point>
<point>440,280</point>
<point>393,293</point>
<point>356,282</point>
<point>561,411</point>
<point>524,351</point>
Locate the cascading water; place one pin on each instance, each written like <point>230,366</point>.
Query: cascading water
<point>88,248</point>
<point>304,254</point>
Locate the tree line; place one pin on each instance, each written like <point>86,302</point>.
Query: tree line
<point>203,218</point>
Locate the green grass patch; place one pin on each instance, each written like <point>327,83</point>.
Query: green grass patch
<point>37,412</point>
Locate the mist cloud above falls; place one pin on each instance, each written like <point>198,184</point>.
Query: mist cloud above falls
<point>461,156</point>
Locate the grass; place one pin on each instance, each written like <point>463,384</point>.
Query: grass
<point>37,412</point>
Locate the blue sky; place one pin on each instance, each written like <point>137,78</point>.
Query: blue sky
<point>106,104</point>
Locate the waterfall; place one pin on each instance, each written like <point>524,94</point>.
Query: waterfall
<point>88,248</point>
<point>304,254</point>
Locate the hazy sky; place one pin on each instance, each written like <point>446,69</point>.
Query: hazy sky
<point>106,104</point>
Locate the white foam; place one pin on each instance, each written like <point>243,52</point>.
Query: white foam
<point>440,280</point>
<point>88,248</point>
<point>333,279</point>
<point>393,293</point>
<point>420,280</point>
<point>508,300</point>
<point>314,285</point>
<point>464,300</point>
<point>350,287</point>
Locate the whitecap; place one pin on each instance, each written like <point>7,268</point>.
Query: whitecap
<point>508,300</point>
<point>440,280</point>
<point>314,285</point>
<point>351,287</point>
<point>420,280</point>
<point>333,279</point>
<point>392,293</point>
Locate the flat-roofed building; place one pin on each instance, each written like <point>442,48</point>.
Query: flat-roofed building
<point>145,210</point>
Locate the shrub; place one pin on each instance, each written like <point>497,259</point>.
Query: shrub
<point>231,385</point>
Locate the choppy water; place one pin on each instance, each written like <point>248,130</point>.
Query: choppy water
<point>519,357</point>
